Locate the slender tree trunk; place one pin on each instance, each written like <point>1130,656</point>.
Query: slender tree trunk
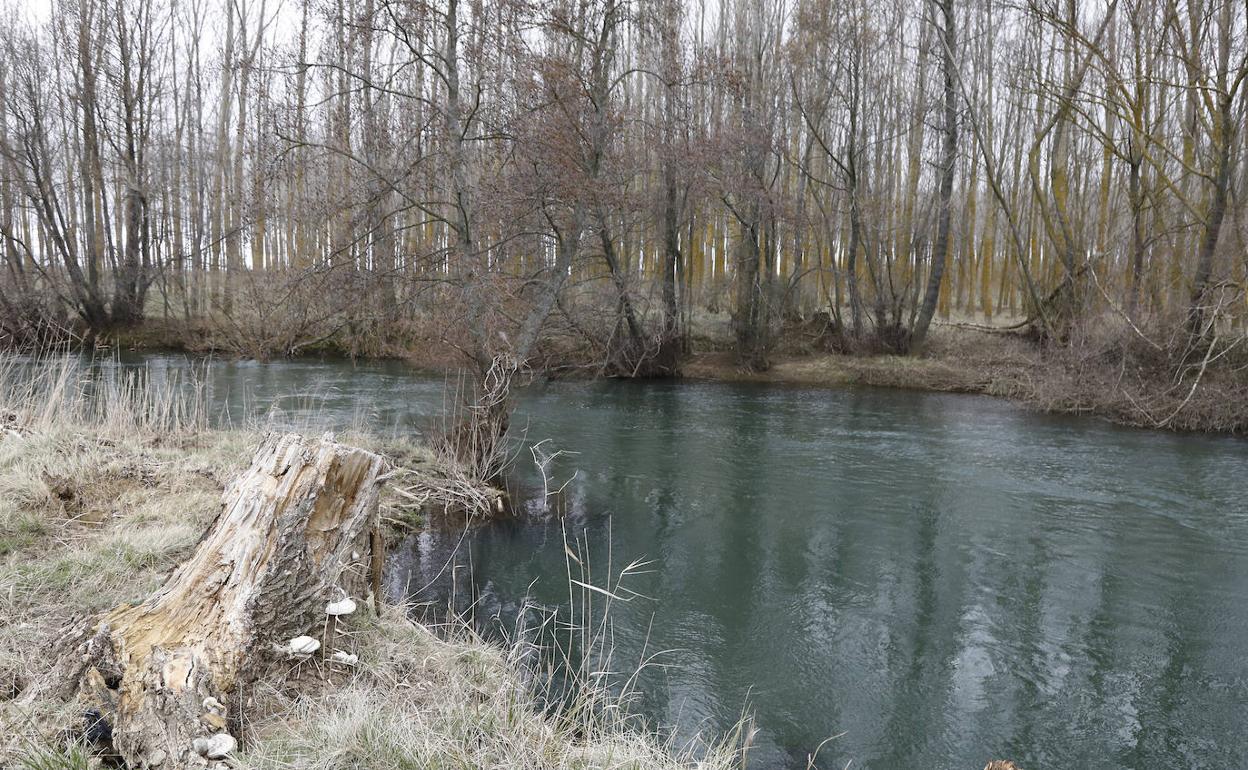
<point>948,166</point>
<point>670,335</point>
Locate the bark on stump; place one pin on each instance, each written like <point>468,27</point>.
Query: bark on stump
<point>292,532</point>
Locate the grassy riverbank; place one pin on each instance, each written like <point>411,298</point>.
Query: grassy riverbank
<point>101,496</point>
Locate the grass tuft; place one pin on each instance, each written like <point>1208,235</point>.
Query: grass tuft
<point>71,758</point>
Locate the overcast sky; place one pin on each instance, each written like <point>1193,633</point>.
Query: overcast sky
<point>38,10</point>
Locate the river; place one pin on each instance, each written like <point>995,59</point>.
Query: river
<point>909,579</point>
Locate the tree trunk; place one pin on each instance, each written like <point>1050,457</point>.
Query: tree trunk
<point>750,319</point>
<point>292,527</point>
<point>948,159</point>
<point>1223,133</point>
<point>668,356</point>
<point>626,354</point>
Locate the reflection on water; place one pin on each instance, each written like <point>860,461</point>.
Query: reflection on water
<point>937,579</point>
<point>941,579</point>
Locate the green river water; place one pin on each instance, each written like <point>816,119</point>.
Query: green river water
<point>935,580</point>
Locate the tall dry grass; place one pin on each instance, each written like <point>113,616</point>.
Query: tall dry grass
<point>106,482</point>
<point>50,392</point>
<point>552,695</point>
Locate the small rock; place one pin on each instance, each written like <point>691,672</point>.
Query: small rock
<point>220,746</point>
<point>200,746</point>
<point>303,645</point>
<point>340,607</point>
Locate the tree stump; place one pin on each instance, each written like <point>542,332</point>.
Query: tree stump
<point>292,535</point>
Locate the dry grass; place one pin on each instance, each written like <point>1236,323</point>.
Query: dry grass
<point>103,492</point>
<point>1107,370</point>
<point>421,700</point>
<point>103,489</point>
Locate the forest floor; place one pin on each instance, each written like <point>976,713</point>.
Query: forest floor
<point>956,361</point>
<point>96,513</point>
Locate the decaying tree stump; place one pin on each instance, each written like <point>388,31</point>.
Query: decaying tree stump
<point>292,535</point>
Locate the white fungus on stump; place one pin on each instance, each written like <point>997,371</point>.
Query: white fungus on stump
<point>303,646</point>
<point>218,746</point>
<point>333,611</point>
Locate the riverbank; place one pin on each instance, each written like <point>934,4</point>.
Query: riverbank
<point>1111,374</point>
<point>1093,381</point>
<point>95,512</point>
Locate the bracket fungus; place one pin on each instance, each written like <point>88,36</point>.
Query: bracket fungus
<point>345,658</point>
<point>302,646</point>
<point>218,746</point>
<point>340,607</point>
<point>334,610</point>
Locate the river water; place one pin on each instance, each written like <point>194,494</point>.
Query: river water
<point>928,581</point>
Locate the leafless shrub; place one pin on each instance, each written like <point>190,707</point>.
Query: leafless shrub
<point>33,320</point>
<point>473,436</point>
<point>629,342</point>
<point>280,313</point>
<point>1147,372</point>
<point>471,450</point>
